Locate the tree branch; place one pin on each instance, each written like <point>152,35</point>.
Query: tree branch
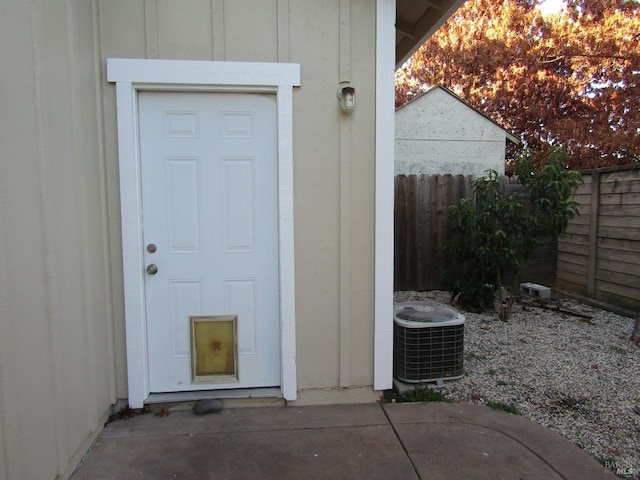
<point>611,57</point>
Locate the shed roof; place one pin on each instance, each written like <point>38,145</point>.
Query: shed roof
<point>510,136</point>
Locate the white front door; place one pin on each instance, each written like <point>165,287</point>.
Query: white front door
<point>210,227</point>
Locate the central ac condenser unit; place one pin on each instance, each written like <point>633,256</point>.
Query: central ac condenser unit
<point>428,343</point>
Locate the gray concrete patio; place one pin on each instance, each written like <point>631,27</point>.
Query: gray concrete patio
<point>365,441</point>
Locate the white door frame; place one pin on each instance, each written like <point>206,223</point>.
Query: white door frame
<point>134,75</point>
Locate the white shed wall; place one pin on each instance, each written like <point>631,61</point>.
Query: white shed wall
<point>438,134</point>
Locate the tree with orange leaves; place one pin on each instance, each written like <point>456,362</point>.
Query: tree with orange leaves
<point>569,80</point>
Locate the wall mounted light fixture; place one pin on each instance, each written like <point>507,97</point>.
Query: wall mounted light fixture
<point>347,97</point>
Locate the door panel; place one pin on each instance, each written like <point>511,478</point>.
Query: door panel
<point>209,202</point>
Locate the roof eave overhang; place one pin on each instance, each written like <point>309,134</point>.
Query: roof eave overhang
<point>414,26</point>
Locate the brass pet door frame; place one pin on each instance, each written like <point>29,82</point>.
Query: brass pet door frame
<point>214,349</point>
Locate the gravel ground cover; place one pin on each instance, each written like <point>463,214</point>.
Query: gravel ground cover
<point>578,377</point>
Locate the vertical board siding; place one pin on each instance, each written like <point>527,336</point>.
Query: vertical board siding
<point>183,30</point>
<point>317,176</point>
<point>599,255</point>
<point>56,362</point>
<point>421,206</point>
<point>25,353</point>
<point>62,335</point>
<point>259,18</point>
<point>315,35</point>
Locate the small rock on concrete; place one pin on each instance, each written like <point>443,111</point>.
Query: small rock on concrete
<point>211,405</point>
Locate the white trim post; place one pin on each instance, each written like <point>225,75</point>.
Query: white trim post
<point>286,244</point>
<point>130,196</point>
<point>384,194</point>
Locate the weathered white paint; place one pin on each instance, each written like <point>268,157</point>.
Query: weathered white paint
<point>134,75</point>
<point>385,60</point>
<point>439,133</point>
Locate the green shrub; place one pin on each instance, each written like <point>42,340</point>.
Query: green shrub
<point>494,234</point>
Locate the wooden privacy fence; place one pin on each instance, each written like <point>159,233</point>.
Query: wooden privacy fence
<point>421,204</point>
<point>599,254</point>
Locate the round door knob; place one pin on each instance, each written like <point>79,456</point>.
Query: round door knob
<point>152,269</point>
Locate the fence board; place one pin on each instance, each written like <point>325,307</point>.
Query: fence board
<point>620,199</point>
<point>613,256</point>
<point>582,199</point>
<point>412,273</point>
<point>618,255</point>
<point>423,232</point>
<point>573,239</point>
<point>622,221</point>
<point>400,233</point>
<point>620,233</point>
<point>573,249</point>
<point>582,219</point>
<point>572,257</point>
<point>617,294</point>
<point>572,282</point>
<point>575,228</point>
<point>623,186</point>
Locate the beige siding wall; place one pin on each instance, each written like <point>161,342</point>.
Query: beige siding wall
<point>322,167</point>
<point>333,153</point>
<point>62,343</point>
<point>56,344</point>
<point>334,170</point>
<point>361,246</point>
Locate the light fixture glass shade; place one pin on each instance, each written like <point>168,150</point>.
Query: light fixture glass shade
<point>347,97</point>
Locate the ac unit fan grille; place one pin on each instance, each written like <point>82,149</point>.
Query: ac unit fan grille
<point>429,353</point>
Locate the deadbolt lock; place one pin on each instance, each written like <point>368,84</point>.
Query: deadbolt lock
<point>151,248</point>
<point>152,269</point>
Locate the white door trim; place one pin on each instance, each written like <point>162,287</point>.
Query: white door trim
<point>385,61</point>
<point>133,75</point>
